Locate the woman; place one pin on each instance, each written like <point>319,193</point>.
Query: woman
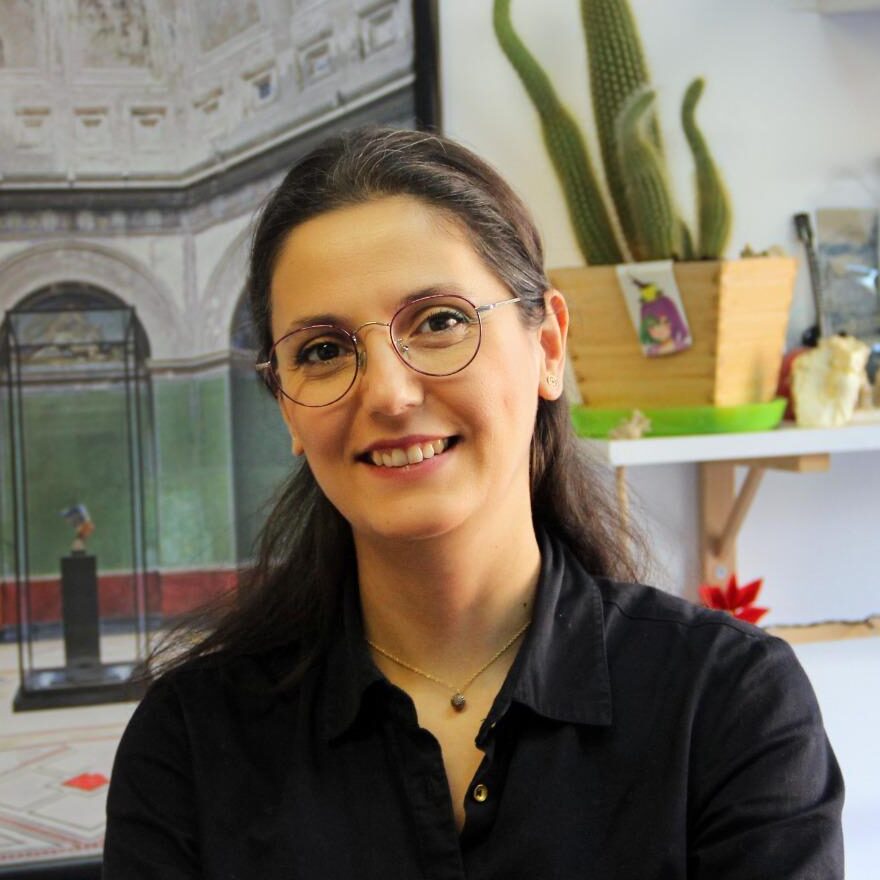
<point>431,671</point>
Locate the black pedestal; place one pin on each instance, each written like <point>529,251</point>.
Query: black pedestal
<point>84,680</point>
<point>79,614</point>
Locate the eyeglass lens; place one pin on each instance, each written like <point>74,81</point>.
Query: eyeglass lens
<point>436,335</point>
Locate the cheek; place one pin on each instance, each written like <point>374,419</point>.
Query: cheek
<point>507,399</point>
<point>312,431</point>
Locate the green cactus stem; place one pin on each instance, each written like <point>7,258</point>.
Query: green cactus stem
<point>686,251</point>
<point>631,148</point>
<point>657,227</point>
<point>565,144</point>
<point>713,202</point>
<point>617,69</point>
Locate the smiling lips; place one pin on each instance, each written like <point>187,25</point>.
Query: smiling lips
<point>418,452</point>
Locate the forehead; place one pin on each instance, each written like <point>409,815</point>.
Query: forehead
<point>372,255</point>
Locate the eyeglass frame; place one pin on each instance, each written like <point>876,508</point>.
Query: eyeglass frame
<point>269,376</point>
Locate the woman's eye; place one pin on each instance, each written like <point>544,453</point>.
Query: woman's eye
<point>439,321</point>
<point>322,352</point>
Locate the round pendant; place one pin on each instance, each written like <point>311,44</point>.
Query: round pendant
<point>458,702</point>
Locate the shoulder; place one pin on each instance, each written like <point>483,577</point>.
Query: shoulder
<point>169,697</point>
<point>708,649</point>
<point>644,605</point>
<point>729,683</point>
<point>633,607</point>
<point>718,660</point>
<point>726,711</point>
<point>653,630</point>
<point>208,689</point>
<point>670,617</point>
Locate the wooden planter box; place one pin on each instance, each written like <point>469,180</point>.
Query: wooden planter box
<point>738,314</point>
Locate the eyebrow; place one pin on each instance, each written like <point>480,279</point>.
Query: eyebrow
<point>338,321</point>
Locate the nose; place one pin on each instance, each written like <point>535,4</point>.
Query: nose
<point>386,385</point>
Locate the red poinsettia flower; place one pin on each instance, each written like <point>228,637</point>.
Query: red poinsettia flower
<point>735,599</point>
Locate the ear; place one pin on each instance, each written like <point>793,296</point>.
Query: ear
<point>285,406</point>
<point>552,335</point>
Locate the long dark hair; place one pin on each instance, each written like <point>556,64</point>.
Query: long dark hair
<point>290,595</point>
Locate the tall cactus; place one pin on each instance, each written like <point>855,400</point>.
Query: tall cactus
<point>629,137</point>
<point>647,196</point>
<point>617,70</point>
<point>566,147</point>
<point>713,203</point>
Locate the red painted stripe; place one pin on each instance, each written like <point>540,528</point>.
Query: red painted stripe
<point>168,593</point>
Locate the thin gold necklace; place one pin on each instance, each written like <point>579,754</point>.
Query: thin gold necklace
<point>458,700</point>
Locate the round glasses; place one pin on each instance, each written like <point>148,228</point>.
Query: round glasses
<point>435,335</point>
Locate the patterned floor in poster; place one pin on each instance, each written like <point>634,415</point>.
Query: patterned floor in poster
<point>53,789</point>
<point>54,771</point>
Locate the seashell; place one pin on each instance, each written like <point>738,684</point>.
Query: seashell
<point>826,382</point>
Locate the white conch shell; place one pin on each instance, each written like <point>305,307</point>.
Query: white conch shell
<point>826,382</point>
<point>632,428</point>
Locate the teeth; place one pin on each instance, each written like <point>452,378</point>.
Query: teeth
<point>398,458</point>
<point>414,454</point>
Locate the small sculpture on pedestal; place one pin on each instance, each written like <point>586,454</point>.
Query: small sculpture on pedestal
<point>79,519</point>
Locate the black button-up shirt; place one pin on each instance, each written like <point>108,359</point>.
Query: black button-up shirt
<point>636,736</point>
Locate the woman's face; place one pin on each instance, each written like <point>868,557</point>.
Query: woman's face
<point>359,264</point>
<point>660,330</point>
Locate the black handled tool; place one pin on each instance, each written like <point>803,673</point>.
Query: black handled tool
<point>804,229</point>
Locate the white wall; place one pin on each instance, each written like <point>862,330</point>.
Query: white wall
<point>792,112</point>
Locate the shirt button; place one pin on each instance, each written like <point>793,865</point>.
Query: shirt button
<point>480,793</point>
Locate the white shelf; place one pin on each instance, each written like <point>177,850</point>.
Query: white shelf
<point>723,507</point>
<point>784,441</point>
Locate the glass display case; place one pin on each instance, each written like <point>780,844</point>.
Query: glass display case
<point>78,511</point>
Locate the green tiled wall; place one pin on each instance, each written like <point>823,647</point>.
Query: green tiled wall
<point>221,452</point>
<point>261,454</point>
<point>194,472</point>
<point>75,452</point>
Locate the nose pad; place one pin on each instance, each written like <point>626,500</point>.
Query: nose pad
<point>361,343</point>
<point>390,386</point>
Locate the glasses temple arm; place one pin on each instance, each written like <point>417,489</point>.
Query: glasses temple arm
<point>489,306</point>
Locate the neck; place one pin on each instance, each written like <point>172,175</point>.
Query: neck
<point>448,603</point>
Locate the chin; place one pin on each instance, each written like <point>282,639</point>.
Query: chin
<point>409,527</point>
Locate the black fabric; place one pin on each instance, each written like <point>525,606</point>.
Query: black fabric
<point>636,736</point>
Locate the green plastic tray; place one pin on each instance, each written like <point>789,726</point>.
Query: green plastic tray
<point>672,421</point>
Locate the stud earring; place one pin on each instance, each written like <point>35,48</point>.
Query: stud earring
<point>552,381</point>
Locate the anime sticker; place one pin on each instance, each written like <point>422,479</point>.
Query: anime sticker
<point>655,306</point>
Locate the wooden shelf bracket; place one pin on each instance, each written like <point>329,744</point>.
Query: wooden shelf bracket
<point>723,510</point>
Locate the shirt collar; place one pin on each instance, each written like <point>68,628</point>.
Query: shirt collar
<point>350,668</point>
<point>561,672</point>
